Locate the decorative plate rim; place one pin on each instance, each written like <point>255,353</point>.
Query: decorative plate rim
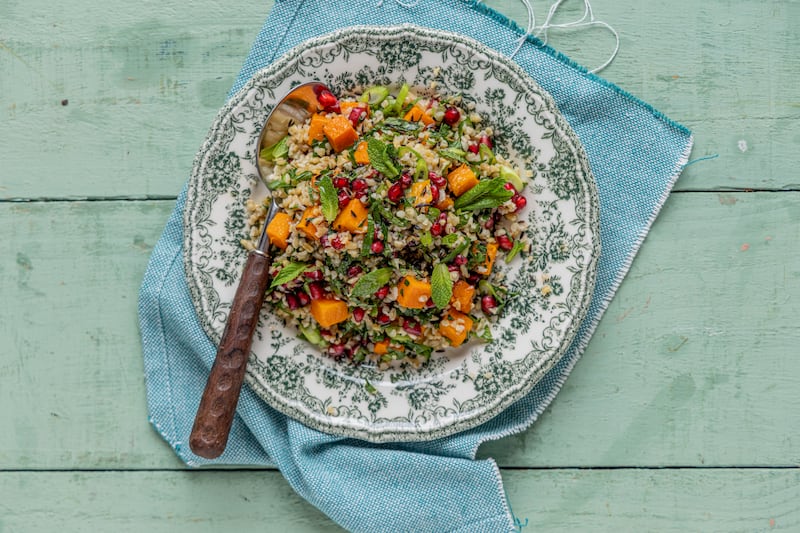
<point>384,432</point>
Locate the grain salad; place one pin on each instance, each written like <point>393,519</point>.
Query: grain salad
<point>395,210</point>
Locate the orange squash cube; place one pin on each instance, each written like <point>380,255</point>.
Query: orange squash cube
<point>463,293</point>
<point>361,156</point>
<point>455,326</point>
<point>352,218</point>
<point>420,191</point>
<point>382,347</point>
<point>278,230</point>
<point>328,312</point>
<point>340,133</point>
<point>461,180</point>
<point>445,204</point>
<point>306,225</point>
<point>413,293</point>
<point>491,254</point>
<point>417,114</point>
<point>346,107</point>
<point>315,129</point>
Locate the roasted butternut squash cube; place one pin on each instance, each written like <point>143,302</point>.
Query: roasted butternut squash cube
<point>278,230</point>
<point>455,326</point>
<point>463,293</point>
<point>315,129</point>
<point>491,254</point>
<point>311,221</point>
<point>461,180</point>
<point>352,218</point>
<point>382,347</point>
<point>340,133</point>
<point>328,312</point>
<point>417,114</point>
<point>413,293</point>
<point>420,191</point>
<point>361,155</point>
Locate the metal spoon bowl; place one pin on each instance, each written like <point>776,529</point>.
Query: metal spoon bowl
<point>214,418</point>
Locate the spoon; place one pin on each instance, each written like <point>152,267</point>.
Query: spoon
<point>214,418</point>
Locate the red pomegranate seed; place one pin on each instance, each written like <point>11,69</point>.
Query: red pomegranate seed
<point>292,301</point>
<point>460,260</point>
<point>344,199</point>
<point>361,195</point>
<point>406,180</point>
<point>317,290</point>
<point>412,327</point>
<point>382,293</point>
<point>395,193</point>
<point>474,278</point>
<point>337,243</point>
<point>489,224</point>
<point>443,218</point>
<point>451,116</point>
<point>437,229</point>
<point>336,350</point>
<point>484,139</point>
<point>488,304</point>
<point>508,186</point>
<point>324,241</point>
<point>355,116</point>
<point>359,185</point>
<point>327,100</point>
<point>519,201</point>
<point>303,298</point>
<point>340,182</point>
<point>435,193</point>
<point>504,243</point>
<point>376,247</point>
<point>473,148</point>
<point>383,319</point>
<point>354,270</point>
<point>314,274</point>
<point>453,268</point>
<point>429,302</point>
<point>436,179</point>
<point>358,314</point>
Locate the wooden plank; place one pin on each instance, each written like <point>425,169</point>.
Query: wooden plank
<point>552,500</point>
<point>694,363</point>
<point>143,90</point>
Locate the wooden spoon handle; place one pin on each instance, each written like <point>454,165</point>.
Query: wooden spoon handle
<point>218,404</point>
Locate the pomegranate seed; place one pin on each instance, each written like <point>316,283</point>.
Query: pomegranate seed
<point>412,327</point>
<point>314,274</point>
<point>460,260</point>
<point>303,298</point>
<point>406,180</point>
<point>508,186</point>
<point>395,193</point>
<point>429,302</point>
<point>489,224</point>
<point>436,179</point>
<point>504,243</point>
<point>473,148</point>
<point>451,116</point>
<point>354,270</point>
<point>358,314</point>
<point>292,301</point>
<point>316,290</point>
<point>340,182</point>
<point>383,319</point>
<point>435,193</point>
<point>382,293</point>
<point>474,278</point>
<point>327,100</point>
<point>336,350</point>
<point>359,184</point>
<point>377,247</point>
<point>337,243</point>
<point>344,199</point>
<point>488,304</point>
<point>443,218</point>
<point>324,241</point>
<point>355,116</point>
<point>453,268</point>
<point>360,195</point>
<point>484,139</point>
<point>437,229</point>
<point>519,201</point>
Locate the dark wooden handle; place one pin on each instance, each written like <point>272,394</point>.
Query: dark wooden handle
<point>218,404</point>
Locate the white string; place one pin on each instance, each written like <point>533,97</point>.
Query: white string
<point>588,19</point>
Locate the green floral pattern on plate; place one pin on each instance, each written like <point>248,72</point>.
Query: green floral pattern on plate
<point>552,286</point>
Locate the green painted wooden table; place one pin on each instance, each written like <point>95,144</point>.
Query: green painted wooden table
<point>683,415</point>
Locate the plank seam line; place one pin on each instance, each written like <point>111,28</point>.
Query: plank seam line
<point>508,468</point>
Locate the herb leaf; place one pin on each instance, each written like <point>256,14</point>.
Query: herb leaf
<point>370,282</point>
<point>367,244</point>
<point>441,286</point>
<point>279,149</point>
<point>455,154</point>
<point>514,250</point>
<point>329,198</point>
<point>488,193</point>
<point>379,158</point>
<point>426,239</point>
<point>288,273</point>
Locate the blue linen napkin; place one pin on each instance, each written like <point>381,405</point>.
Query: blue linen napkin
<point>636,155</point>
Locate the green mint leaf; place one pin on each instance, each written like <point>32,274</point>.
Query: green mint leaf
<point>426,239</point>
<point>450,239</point>
<point>398,124</point>
<point>370,282</point>
<point>329,198</point>
<point>367,245</point>
<point>456,154</point>
<point>441,286</point>
<point>379,158</point>
<point>455,251</point>
<point>288,273</point>
<point>488,193</point>
<point>514,250</point>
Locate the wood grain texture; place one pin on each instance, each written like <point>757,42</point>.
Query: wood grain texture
<point>693,364</point>
<point>577,500</point>
<point>144,86</point>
